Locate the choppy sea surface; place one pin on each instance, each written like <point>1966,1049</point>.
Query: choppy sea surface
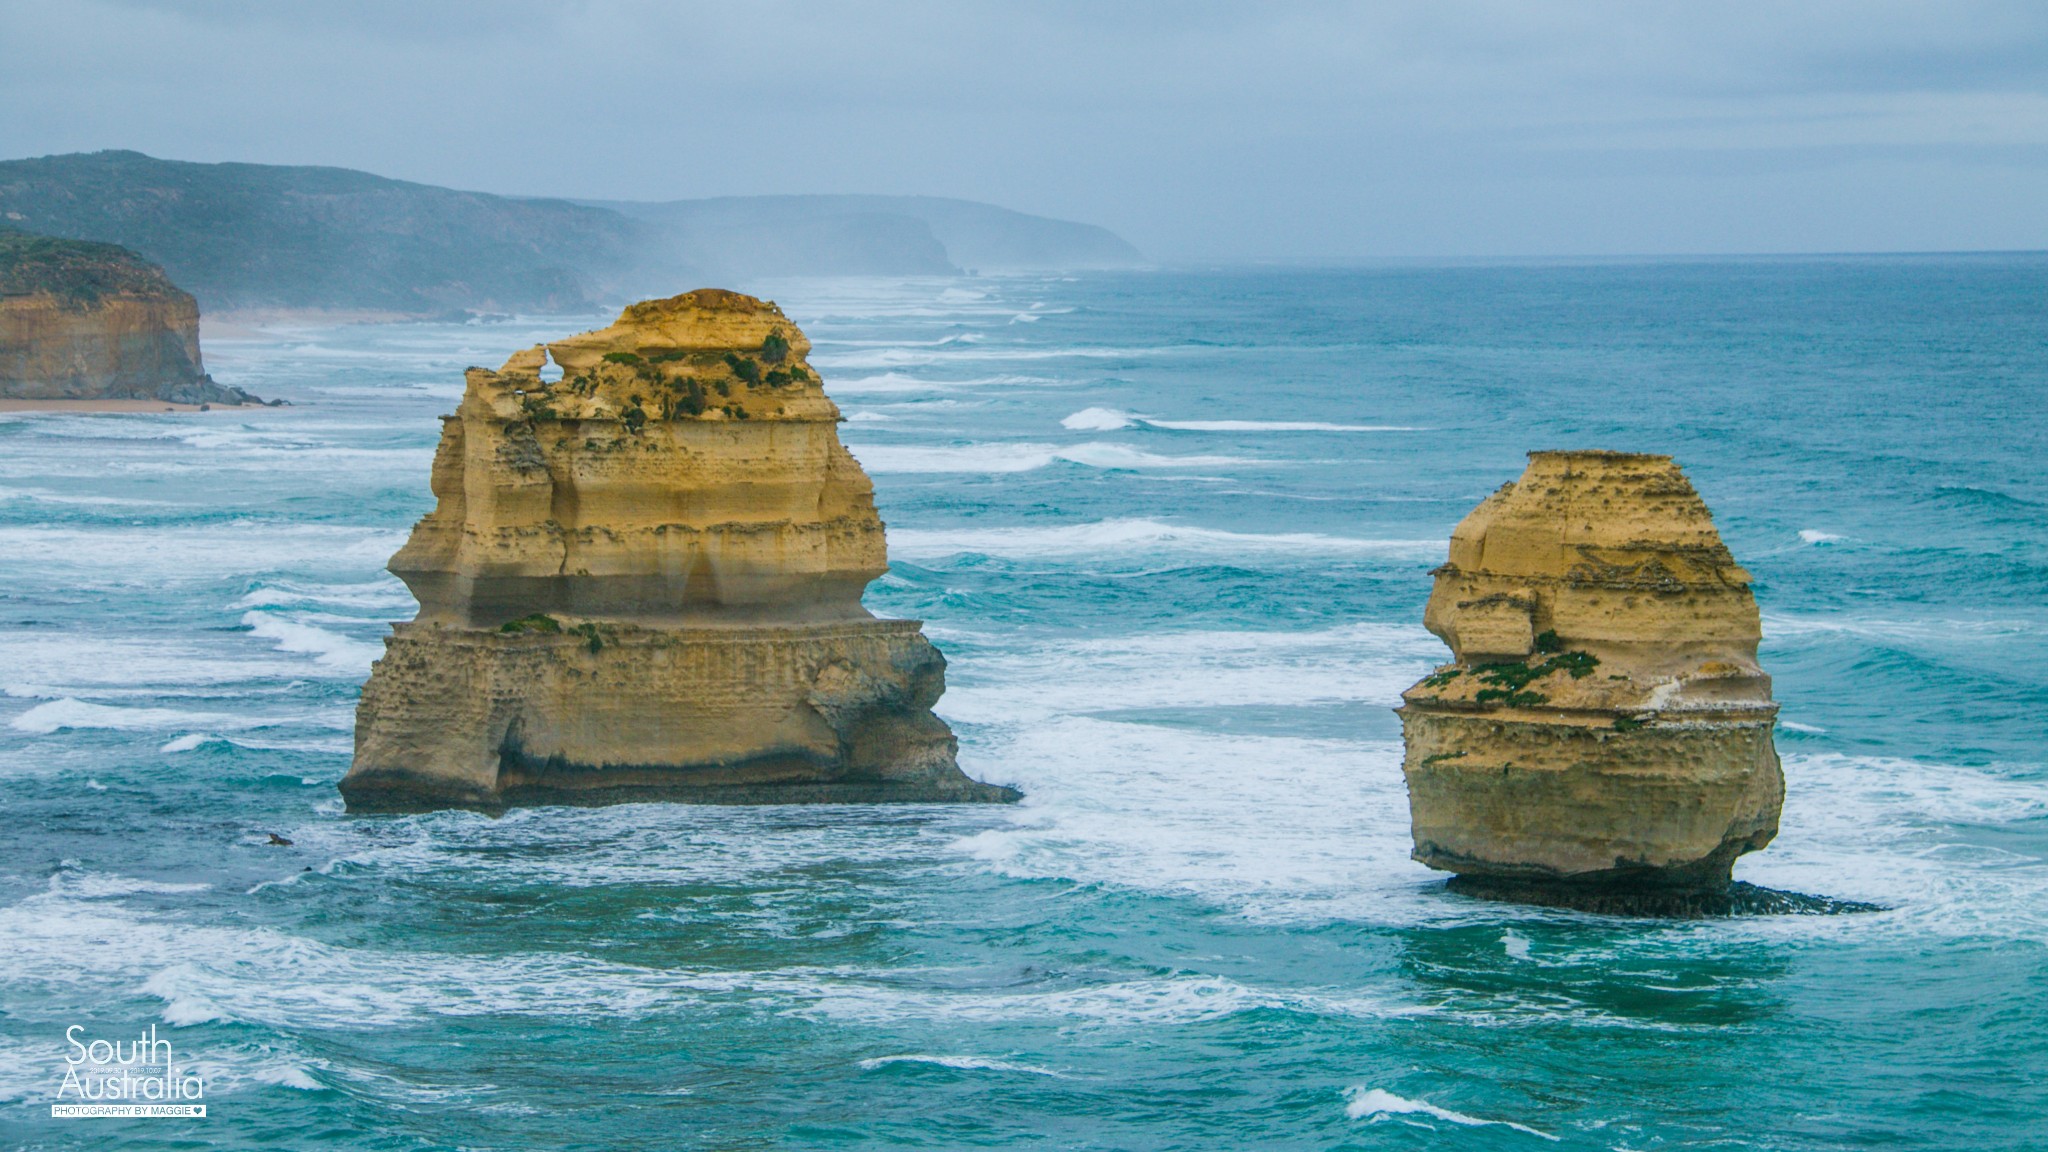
<point>1173,531</point>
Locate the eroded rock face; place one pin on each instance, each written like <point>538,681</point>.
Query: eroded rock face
<point>86,321</point>
<point>1604,726</point>
<point>643,580</point>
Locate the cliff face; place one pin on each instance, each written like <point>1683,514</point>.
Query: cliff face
<point>644,580</point>
<point>1604,723</point>
<point>82,321</point>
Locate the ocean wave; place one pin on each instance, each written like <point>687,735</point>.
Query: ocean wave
<point>1136,535</point>
<point>903,357</point>
<point>128,555</point>
<point>887,382</point>
<point>328,649</point>
<point>1023,457</point>
<point>1379,1104</point>
<point>42,664</point>
<point>45,496</point>
<point>57,715</point>
<point>193,741</point>
<point>386,593</point>
<point>963,1063</point>
<point>1112,419</point>
<point>1785,626</point>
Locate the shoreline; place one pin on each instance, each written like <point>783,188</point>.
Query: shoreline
<point>121,406</point>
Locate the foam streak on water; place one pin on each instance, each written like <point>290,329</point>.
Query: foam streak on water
<point>1174,532</point>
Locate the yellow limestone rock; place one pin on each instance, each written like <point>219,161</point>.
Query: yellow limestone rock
<point>1604,727</point>
<point>643,581</point>
<point>87,321</point>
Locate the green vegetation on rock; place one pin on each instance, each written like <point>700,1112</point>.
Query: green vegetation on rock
<point>80,272</point>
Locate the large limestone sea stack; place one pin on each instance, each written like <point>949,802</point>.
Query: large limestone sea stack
<point>644,581</point>
<point>1603,736</point>
<point>87,321</point>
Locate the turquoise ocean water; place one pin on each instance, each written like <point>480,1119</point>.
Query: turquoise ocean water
<point>1173,531</point>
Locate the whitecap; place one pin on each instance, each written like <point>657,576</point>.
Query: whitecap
<point>1022,457</point>
<point>287,1075</point>
<point>1111,419</point>
<point>1276,426</point>
<point>1135,535</point>
<point>188,742</point>
<point>329,649</point>
<point>1380,1104</point>
<point>44,719</point>
<point>1816,536</point>
<point>1098,420</point>
<point>964,1063</point>
<point>384,593</point>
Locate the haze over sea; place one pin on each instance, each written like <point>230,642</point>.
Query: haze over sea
<point>1174,533</point>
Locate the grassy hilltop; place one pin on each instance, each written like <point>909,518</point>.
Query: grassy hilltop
<point>81,272</point>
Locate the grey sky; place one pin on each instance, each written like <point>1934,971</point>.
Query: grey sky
<point>1196,130</point>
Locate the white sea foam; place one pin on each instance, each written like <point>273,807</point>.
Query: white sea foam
<point>287,1075</point>
<point>188,742</point>
<point>1098,420</point>
<point>1379,1104</point>
<point>329,649</point>
<point>1022,457</point>
<point>1111,419</point>
<point>78,715</point>
<point>1781,626</point>
<point>1276,426</point>
<point>964,1063</point>
<point>57,715</point>
<point>40,663</point>
<point>1137,535</point>
<point>899,356</point>
<point>1816,536</point>
<point>136,555</point>
<point>45,496</point>
<point>382,595</point>
<point>887,382</point>
<point>85,884</point>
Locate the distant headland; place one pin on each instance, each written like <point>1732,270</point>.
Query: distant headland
<point>246,237</point>
<point>84,323</point>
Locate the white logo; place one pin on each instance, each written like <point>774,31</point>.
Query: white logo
<point>140,1077</point>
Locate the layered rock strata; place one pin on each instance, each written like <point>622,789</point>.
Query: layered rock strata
<point>85,321</point>
<point>1602,737</point>
<point>643,581</point>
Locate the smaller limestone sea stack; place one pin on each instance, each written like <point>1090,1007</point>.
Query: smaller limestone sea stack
<point>87,321</point>
<point>643,581</point>
<point>1603,737</point>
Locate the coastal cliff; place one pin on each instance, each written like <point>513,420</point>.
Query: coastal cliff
<point>1603,733</point>
<point>643,581</point>
<point>86,321</point>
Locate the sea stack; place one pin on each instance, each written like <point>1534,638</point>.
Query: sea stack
<point>643,581</point>
<point>1602,737</point>
<point>87,321</point>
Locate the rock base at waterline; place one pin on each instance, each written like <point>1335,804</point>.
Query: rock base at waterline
<point>557,711</point>
<point>1624,899</point>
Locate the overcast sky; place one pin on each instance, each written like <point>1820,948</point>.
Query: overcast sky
<point>1199,131</point>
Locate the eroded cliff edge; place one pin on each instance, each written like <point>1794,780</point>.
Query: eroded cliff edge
<point>86,321</point>
<point>643,581</point>
<point>1603,733</point>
